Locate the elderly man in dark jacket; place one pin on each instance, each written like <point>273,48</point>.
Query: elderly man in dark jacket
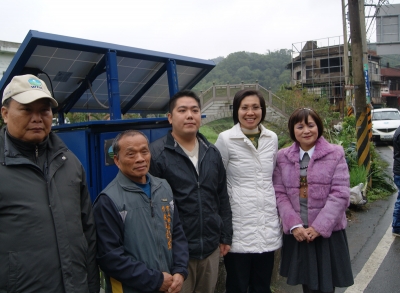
<point>141,244</point>
<point>47,233</point>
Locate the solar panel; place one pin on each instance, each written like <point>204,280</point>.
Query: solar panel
<point>75,70</point>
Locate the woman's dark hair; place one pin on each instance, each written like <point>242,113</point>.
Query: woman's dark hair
<point>237,100</point>
<point>301,115</point>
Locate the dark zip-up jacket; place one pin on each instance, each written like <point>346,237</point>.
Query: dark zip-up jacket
<point>202,199</point>
<point>47,233</point>
<point>396,152</point>
<point>138,237</point>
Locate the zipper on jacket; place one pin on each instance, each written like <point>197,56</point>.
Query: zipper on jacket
<point>46,170</point>
<point>199,199</point>
<point>197,175</point>
<point>151,208</point>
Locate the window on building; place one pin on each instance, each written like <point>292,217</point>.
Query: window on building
<point>309,71</point>
<point>331,65</point>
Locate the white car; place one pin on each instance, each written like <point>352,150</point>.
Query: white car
<point>385,121</point>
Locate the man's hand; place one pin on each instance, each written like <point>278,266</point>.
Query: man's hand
<point>166,283</point>
<point>177,282</point>
<point>224,249</point>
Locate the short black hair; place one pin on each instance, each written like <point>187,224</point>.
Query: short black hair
<point>130,132</point>
<point>238,98</point>
<point>7,102</point>
<point>181,94</point>
<point>301,115</point>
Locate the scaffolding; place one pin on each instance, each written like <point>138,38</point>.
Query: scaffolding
<point>317,66</point>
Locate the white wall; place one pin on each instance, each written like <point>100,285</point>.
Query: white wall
<point>7,52</point>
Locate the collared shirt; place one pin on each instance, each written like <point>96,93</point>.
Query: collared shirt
<point>309,152</point>
<point>302,152</point>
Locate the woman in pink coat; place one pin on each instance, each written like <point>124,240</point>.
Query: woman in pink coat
<point>311,182</point>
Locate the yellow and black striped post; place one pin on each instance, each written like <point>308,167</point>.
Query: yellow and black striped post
<point>350,110</point>
<point>363,126</point>
<point>369,108</point>
<point>360,97</point>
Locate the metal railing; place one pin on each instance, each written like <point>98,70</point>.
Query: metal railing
<point>226,93</point>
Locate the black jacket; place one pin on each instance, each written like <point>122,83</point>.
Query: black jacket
<point>202,199</point>
<point>47,233</point>
<point>396,152</point>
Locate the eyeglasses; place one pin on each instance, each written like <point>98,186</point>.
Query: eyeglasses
<point>247,109</point>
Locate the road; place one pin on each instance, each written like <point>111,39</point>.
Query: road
<point>374,252</point>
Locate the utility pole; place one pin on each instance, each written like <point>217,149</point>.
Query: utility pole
<point>346,63</point>
<point>361,110</point>
<point>345,53</point>
<point>365,49</point>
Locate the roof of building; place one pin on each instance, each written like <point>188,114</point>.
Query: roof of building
<point>385,71</point>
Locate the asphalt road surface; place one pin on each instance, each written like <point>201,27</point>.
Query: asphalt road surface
<point>374,252</point>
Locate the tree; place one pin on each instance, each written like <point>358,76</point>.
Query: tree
<point>269,69</point>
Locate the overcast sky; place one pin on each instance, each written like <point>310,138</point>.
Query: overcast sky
<point>196,28</point>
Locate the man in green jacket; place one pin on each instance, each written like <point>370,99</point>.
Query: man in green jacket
<point>47,233</point>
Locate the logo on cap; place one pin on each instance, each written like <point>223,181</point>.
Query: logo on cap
<point>35,83</point>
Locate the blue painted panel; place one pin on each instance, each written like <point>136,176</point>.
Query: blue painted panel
<point>93,150</point>
<point>158,133</point>
<point>79,143</point>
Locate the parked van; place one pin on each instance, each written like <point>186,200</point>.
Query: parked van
<point>385,121</point>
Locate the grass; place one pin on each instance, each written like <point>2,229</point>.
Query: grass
<point>209,133</point>
<point>212,129</point>
<point>358,174</point>
<point>382,182</point>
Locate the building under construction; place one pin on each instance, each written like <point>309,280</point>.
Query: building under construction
<point>318,66</point>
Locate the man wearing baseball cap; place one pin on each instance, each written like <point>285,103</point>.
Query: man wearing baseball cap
<point>48,238</point>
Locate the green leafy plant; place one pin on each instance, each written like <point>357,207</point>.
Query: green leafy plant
<point>358,174</point>
<point>381,181</point>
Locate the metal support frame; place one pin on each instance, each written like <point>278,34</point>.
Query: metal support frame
<point>172,77</point>
<point>112,86</point>
<point>98,69</point>
<point>60,118</point>
<point>144,89</point>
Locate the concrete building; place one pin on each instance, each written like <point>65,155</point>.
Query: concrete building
<point>318,66</point>
<point>390,89</point>
<point>7,52</point>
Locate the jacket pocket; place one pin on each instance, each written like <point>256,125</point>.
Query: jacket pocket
<point>14,269</point>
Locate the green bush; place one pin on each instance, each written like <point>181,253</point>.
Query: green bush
<point>358,174</point>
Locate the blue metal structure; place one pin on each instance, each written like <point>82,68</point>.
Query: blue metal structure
<point>89,76</point>
<point>113,89</point>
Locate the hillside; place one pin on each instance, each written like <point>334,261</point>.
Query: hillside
<point>268,69</point>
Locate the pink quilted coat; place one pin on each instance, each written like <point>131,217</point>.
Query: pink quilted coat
<point>328,187</point>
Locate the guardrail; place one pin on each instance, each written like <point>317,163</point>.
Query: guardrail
<point>226,92</point>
